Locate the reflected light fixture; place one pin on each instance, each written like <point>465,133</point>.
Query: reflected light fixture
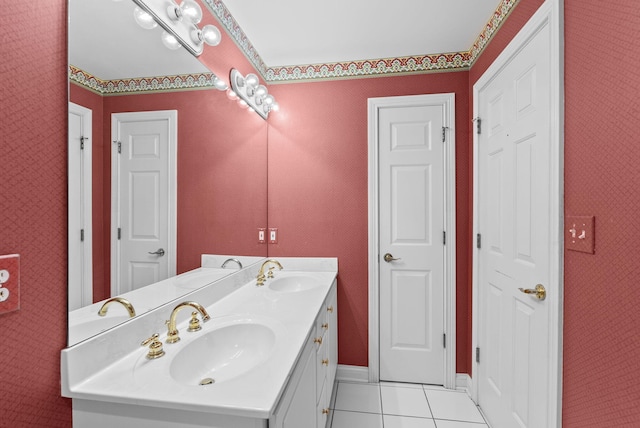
<point>251,93</point>
<point>179,21</point>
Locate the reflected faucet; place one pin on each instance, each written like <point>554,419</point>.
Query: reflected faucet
<point>232,260</point>
<point>124,302</point>
<point>172,334</point>
<point>261,277</point>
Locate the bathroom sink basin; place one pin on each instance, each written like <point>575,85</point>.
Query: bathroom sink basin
<point>222,354</point>
<point>293,283</point>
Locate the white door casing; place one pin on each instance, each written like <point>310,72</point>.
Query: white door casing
<point>143,218</point>
<point>517,212</point>
<point>80,252</point>
<point>412,205</point>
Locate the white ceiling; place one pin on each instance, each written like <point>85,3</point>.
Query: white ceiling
<point>297,32</point>
<point>105,41</point>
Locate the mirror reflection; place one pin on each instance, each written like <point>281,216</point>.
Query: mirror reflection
<point>163,167</point>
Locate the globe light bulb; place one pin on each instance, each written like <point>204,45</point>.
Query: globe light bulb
<point>191,10</point>
<point>144,19</point>
<point>220,84</point>
<point>169,41</point>
<point>211,35</point>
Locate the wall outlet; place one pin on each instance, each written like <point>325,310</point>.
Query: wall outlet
<point>9,283</point>
<point>273,235</point>
<point>262,235</point>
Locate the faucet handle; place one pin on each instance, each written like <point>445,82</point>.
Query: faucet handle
<point>155,347</point>
<point>270,273</point>
<point>194,324</point>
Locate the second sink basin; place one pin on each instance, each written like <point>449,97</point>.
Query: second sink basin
<point>223,353</point>
<point>293,283</point>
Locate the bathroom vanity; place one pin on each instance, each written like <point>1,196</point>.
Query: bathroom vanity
<point>266,358</point>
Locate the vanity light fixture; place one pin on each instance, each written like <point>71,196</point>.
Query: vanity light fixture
<point>250,92</point>
<point>180,23</point>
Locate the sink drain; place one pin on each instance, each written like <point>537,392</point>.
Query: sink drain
<point>207,381</point>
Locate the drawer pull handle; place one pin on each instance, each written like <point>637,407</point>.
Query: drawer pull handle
<point>325,326</point>
<point>318,340</point>
<point>325,362</point>
<point>325,411</point>
<point>330,309</point>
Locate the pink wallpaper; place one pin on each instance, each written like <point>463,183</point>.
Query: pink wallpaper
<point>33,213</point>
<point>602,301</point>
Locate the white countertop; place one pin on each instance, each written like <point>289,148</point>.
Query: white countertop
<point>130,378</point>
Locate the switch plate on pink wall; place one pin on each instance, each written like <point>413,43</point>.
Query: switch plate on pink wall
<point>579,233</point>
<point>10,286</point>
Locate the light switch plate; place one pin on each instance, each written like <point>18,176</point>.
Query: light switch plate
<point>579,233</point>
<point>10,288</point>
<point>262,235</point>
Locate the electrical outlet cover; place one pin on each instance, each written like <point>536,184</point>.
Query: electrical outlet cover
<point>11,263</point>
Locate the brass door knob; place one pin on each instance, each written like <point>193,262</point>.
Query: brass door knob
<point>389,258</point>
<point>539,292</point>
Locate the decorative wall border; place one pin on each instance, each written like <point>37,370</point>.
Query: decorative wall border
<point>376,67</point>
<point>142,84</point>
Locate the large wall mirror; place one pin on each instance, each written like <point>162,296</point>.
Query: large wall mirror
<point>219,162</point>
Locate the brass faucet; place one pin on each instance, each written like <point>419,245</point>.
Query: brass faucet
<point>261,277</point>
<point>124,302</point>
<point>172,335</point>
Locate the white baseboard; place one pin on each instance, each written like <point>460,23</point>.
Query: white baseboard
<point>352,373</point>
<point>463,383</point>
<point>361,374</point>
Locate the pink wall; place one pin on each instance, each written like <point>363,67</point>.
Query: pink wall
<point>602,178</point>
<point>33,210</point>
<point>318,186</point>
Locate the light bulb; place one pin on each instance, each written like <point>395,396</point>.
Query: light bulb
<point>191,10</point>
<point>261,91</point>
<point>231,95</point>
<point>144,19</point>
<point>252,80</point>
<point>243,103</point>
<point>275,106</point>
<point>268,100</point>
<point>220,84</point>
<point>169,41</point>
<point>211,35</point>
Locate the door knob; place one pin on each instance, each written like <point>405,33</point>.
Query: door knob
<point>540,292</point>
<point>160,252</point>
<point>389,258</point>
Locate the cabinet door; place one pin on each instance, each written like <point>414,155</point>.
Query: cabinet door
<point>298,406</point>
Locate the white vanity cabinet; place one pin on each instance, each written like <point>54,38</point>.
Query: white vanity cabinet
<point>305,401</point>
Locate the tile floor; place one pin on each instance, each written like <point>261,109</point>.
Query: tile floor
<point>400,405</point>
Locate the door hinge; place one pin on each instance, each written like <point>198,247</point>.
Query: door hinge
<point>119,145</point>
<point>119,233</point>
<point>444,237</point>
<point>82,140</point>
<point>479,241</point>
<point>478,122</point>
<point>444,133</point>
<point>444,340</point>
<point>81,235</point>
<point>477,355</point>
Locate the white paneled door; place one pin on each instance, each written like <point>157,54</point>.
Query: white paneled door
<point>516,236</point>
<point>411,249</point>
<point>143,199</point>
